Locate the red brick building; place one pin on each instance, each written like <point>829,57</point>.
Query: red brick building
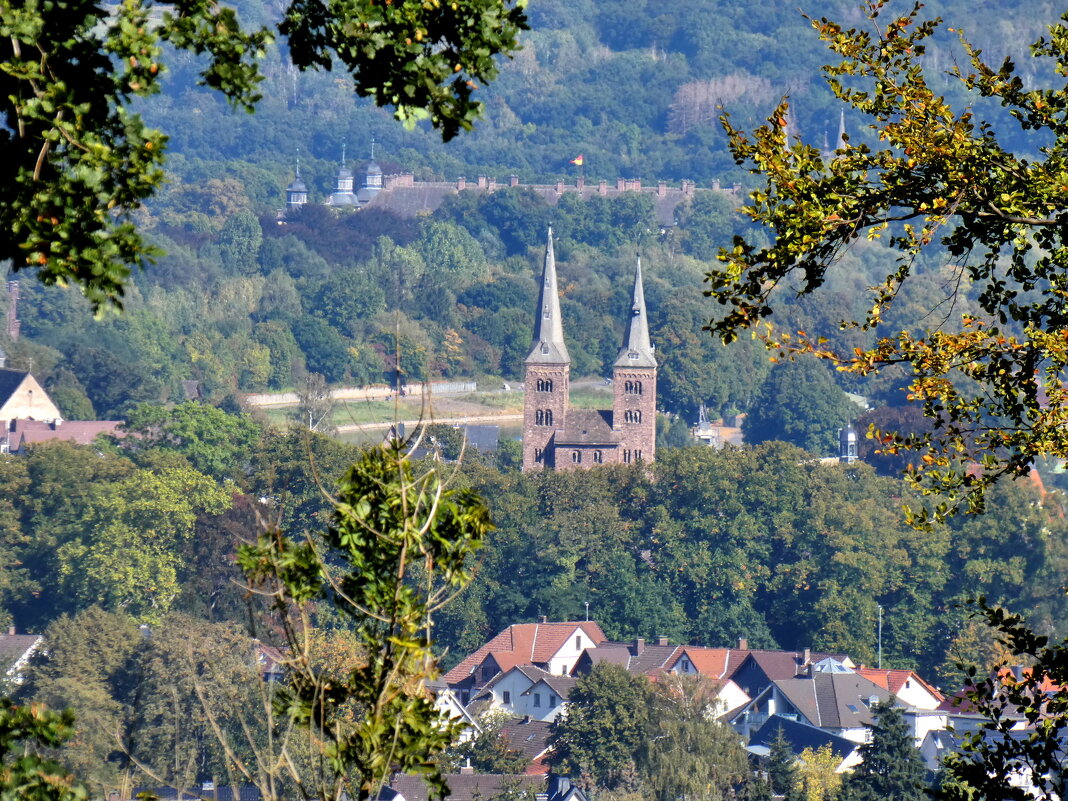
<point>559,437</point>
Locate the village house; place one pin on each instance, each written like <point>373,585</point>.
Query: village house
<point>840,703</point>
<point>553,647</point>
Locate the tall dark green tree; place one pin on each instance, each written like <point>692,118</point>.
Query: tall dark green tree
<point>606,725</point>
<point>782,772</point>
<point>892,769</point>
<point>799,403</point>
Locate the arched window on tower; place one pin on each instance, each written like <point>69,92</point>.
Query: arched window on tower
<point>632,416</point>
<point>544,385</point>
<point>576,457</point>
<point>628,388</point>
<point>598,457</point>
<point>637,387</point>
<point>543,417</point>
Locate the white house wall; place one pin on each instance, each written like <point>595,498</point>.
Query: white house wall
<point>567,655</point>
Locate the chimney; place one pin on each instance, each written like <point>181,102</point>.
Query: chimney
<point>466,770</point>
<point>526,718</point>
<point>743,644</point>
<point>661,640</point>
<point>461,184</point>
<point>11,631</point>
<point>513,180</point>
<point>806,656</point>
<point>543,619</point>
<point>639,645</point>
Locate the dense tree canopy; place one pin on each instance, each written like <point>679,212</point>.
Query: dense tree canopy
<point>78,161</point>
<point>939,180</point>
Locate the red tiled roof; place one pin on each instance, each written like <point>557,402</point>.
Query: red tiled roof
<point>894,680</point>
<point>82,432</point>
<point>524,644</point>
<point>716,663</point>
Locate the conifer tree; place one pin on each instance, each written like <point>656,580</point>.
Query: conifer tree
<point>781,770</point>
<point>891,769</point>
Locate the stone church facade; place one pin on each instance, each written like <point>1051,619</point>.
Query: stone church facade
<point>556,436</point>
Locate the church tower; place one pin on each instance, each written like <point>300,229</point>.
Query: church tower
<point>634,382</point>
<point>548,369</point>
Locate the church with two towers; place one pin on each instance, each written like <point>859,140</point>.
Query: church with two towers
<point>555,436</point>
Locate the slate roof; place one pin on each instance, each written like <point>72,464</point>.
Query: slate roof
<point>410,201</point>
<point>833,700</point>
<point>778,665</point>
<point>561,685</point>
<point>80,432</point>
<point>649,658</point>
<point>14,646</point>
<point>587,427</point>
<point>524,643</point>
<point>529,737</point>
<point>462,786</point>
<point>9,382</point>
<point>482,438</point>
<point>801,736</point>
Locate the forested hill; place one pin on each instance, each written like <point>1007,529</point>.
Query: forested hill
<point>634,85</point>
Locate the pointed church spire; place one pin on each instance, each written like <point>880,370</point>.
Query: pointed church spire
<point>343,145</point>
<point>841,143</point>
<point>637,350</point>
<point>372,147</point>
<point>548,346</point>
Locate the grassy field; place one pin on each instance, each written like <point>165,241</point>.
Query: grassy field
<point>476,404</point>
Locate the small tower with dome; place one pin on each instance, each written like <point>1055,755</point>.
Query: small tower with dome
<point>343,195</point>
<point>296,192</point>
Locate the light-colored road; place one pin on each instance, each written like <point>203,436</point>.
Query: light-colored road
<point>482,419</point>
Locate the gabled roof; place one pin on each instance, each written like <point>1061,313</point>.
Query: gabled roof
<point>646,659</point>
<point>561,685</point>
<point>833,700</point>
<point>715,663</point>
<point>16,647</point>
<point>801,736</point>
<point>527,736</point>
<point>894,680</point>
<point>587,427</point>
<point>777,665</point>
<point>10,380</point>
<point>80,432</point>
<point>526,644</point>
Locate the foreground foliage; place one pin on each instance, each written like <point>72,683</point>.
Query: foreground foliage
<point>926,177</point>
<point>398,549</point>
<point>77,162</point>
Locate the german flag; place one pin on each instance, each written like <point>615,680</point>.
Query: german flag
<point>579,161</point>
